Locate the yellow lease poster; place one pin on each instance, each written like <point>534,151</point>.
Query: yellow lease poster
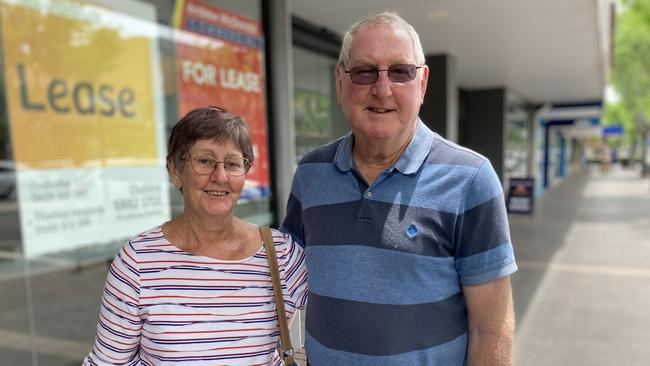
<point>84,99</point>
<point>78,87</point>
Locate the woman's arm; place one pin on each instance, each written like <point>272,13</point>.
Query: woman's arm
<point>291,259</point>
<point>119,326</point>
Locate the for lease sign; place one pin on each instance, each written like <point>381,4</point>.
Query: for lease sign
<point>220,61</point>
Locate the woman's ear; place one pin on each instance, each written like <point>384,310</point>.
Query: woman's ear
<point>174,174</point>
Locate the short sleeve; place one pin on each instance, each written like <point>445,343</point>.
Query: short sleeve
<point>293,223</point>
<point>483,247</point>
<point>291,260</point>
<point>118,330</point>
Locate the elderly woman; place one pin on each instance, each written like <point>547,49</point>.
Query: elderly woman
<point>197,289</point>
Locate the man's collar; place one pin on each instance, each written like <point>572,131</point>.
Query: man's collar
<point>408,163</point>
<point>417,151</point>
<point>343,156</point>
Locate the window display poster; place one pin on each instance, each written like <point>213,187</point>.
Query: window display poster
<point>83,95</point>
<point>220,61</point>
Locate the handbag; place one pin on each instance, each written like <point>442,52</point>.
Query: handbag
<point>285,349</point>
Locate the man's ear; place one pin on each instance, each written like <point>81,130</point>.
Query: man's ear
<point>339,82</point>
<point>423,82</point>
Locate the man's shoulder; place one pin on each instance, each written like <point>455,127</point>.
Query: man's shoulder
<point>446,152</point>
<point>322,154</point>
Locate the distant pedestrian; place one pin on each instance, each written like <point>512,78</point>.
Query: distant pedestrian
<point>405,233</point>
<point>606,160</point>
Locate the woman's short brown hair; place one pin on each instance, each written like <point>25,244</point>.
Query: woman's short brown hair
<point>207,123</point>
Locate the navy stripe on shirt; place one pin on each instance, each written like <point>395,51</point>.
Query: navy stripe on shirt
<point>378,329</point>
<point>380,225</point>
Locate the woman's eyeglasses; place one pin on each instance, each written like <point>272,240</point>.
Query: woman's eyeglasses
<point>400,73</point>
<point>205,165</point>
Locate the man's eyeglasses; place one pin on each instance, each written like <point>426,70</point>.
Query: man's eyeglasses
<point>400,73</point>
<point>205,165</point>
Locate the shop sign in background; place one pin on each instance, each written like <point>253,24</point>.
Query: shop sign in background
<point>83,92</point>
<point>520,195</point>
<point>220,61</point>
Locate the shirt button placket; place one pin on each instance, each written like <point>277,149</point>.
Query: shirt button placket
<point>364,214</point>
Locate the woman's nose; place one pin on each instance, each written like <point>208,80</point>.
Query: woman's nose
<point>219,174</point>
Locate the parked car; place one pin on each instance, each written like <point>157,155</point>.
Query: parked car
<point>7,179</point>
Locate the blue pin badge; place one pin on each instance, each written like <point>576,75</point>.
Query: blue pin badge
<point>411,231</point>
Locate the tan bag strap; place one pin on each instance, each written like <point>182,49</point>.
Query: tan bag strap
<point>285,340</point>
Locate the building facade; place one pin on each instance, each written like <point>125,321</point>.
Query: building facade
<point>89,92</point>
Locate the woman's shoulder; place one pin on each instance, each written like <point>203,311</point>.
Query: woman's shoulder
<point>285,246</point>
<point>280,238</point>
<point>146,240</point>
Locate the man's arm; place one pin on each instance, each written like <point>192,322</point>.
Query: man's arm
<point>491,322</point>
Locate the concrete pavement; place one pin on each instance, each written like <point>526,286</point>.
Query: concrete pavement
<point>582,292</point>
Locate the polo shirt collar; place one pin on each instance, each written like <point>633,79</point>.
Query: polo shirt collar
<point>408,163</point>
<point>417,151</point>
<point>343,156</point>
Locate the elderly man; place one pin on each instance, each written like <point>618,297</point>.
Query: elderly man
<point>406,234</point>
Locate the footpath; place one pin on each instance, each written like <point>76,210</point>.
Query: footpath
<point>582,292</point>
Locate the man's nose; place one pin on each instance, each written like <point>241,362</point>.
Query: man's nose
<point>382,88</point>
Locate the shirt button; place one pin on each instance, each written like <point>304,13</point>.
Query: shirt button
<point>369,194</point>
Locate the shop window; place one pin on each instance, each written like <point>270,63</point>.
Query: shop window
<point>318,119</point>
<point>90,90</point>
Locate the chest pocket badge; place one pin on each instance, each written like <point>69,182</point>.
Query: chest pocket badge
<point>411,231</point>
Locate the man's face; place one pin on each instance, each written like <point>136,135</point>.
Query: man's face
<point>384,111</point>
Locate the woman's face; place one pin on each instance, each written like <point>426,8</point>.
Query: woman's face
<point>209,195</point>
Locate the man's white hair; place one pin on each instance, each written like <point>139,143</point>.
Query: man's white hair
<point>386,18</point>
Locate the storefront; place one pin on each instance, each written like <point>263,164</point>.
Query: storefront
<point>90,90</point>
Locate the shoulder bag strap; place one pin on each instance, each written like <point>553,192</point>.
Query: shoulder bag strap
<point>285,340</point>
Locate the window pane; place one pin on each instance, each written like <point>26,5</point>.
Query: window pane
<point>318,119</point>
<point>95,88</point>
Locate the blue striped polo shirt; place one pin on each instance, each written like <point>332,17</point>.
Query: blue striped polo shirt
<point>387,262</point>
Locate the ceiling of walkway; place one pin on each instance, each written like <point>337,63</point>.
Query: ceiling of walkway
<point>545,50</point>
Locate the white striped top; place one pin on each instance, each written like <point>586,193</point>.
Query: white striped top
<point>165,306</point>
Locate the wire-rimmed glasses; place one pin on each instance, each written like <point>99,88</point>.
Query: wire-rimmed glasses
<point>206,165</point>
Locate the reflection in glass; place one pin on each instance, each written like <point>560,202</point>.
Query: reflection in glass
<point>88,89</point>
<point>317,118</point>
